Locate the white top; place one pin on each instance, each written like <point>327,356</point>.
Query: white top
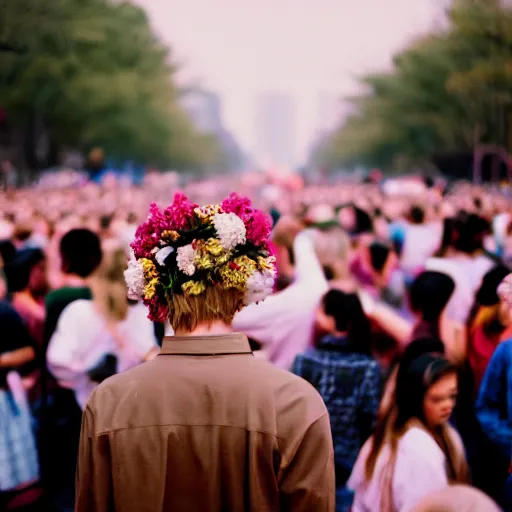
<point>284,322</point>
<point>81,340</point>
<point>421,241</point>
<point>420,469</point>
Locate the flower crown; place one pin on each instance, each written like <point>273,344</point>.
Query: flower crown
<point>187,248</point>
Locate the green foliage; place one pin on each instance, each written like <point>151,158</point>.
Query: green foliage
<point>96,75</point>
<point>442,90</point>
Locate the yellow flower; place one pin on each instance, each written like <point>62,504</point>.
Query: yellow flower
<point>210,254</point>
<point>149,268</point>
<point>207,212</point>
<point>266,263</point>
<point>150,288</point>
<point>193,287</point>
<point>236,273</point>
<point>173,236</point>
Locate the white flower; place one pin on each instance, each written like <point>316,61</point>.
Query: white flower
<point>230,230</point>
<point>162,254</point>
<point>185,259</point>
<point>259,286</point>
<point>135,280</point>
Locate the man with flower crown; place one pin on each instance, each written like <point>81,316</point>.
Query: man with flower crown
<point>205,426</point>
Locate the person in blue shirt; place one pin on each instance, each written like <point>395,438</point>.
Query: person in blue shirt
<point>349,380</point>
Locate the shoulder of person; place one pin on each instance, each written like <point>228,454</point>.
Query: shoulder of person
<point>418,442</point>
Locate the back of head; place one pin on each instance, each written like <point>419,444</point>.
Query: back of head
<point>80,251</point>
<point>429,294</point>
<point>457,498</point>
<point>349,318</point>
<point>470,231</point>
<point>379,254</point>
<point>417,214</point>
<point>199,265</point>
<point>19,268</point>
<point>332,250</point>
<point>487,294</point>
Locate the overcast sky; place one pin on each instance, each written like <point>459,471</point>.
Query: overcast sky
<point>241,47</point>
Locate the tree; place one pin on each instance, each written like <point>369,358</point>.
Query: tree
<point>442,90</point>
<point>94,74</point>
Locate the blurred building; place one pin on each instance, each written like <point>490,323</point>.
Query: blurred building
<point>204,109</point>
<point>275,125</point>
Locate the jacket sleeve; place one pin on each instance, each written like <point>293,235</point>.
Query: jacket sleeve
<point>93,476</point>
<point>492,400</point>
<point>306,482</point>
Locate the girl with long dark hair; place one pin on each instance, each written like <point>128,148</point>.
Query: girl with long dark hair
<point>414,450</point>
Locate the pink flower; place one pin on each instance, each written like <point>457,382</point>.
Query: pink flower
<point>258,227</point>
<point>179,214</point>
<point>148,234</point>
<point>238,205</point>
<point>257,223</point>
<point>158,310</point>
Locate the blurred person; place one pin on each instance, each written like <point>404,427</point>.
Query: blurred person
<point>101,337</point>
<point>200,392</point>
<point>420,240</point>
<point>488,323</point>
<point>19,466</point>
<point>284,323</point>
<point>457,498</point>
<point>493,405</point>
<point>414,451</point>
<point>414,350</point>
<point>80,254</point>
<point>349,380</point>
<point>28,285</point>
<point>428,296</point>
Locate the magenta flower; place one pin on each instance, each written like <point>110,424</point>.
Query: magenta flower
<point>158,310</point>
<point>179,214</point>
<point>258,227</point>
<point>148,234</point>
<point>238,205</point>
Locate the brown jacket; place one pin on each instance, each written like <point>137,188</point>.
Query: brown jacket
<point>205,427</point>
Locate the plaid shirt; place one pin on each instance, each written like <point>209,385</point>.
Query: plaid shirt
<point>494,404</point>
<point>351,386</point>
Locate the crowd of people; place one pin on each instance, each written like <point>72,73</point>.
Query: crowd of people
<point>395,307</point>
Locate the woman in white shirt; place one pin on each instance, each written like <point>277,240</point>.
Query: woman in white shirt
<point>414,451</point>
<point>95,339</point>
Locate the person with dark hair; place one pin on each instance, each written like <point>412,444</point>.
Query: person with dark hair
<point>414,350</point>
<point>414,451</point>
<point>81,255</point>
<point>428,296</point>
<point>347,377</point>
<point>28,285</point>
<point>488,324</point>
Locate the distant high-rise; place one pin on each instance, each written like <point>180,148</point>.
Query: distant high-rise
<point>204,109</point>
<point>275,127</point>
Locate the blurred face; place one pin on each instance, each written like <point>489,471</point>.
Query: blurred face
<point>440,401</point>
<point>38,284</point>
<point>347,218</point>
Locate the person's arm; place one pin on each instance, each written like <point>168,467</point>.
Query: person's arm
<point>93,474</point>
<point>306,481</point>
<point>387,319</point>
<point>492,399</point>
<point>17,357</point>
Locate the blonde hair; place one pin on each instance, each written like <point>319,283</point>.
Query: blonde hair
<point>332,249</point>
<point>109,289</point>
<point>186,312</point>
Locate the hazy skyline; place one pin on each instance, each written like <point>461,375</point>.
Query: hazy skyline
<point>240,48</point>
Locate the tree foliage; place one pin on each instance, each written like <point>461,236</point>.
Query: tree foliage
<point>444,89</point>
<point>96,75</point>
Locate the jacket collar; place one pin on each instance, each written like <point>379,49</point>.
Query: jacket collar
<point>206,345</point>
